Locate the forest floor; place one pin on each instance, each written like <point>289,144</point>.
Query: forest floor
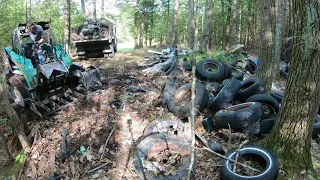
<point>110,124</point>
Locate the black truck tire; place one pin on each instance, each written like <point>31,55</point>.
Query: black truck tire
<point>226,95</point>
<point>250,87</point>
<point>238,116</point>
<point>269,103</point>
<point>204,70</point>
<point>169,67</point>
<point>166,95</point>
<point>278,95</point>
<point>251,66</point>
<point>269,159</point>
<point>237,74</point>
<point>165,142</point>
<point>183,109</point>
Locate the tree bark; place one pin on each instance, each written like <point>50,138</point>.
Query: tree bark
<point>249,25</point>
<point>142,24</point>
<point>67,26</point>
<point>94,9</point>
<point>28,10</point>
<point>102,8</point>
<point>207,30</point>
<point>228,25</point>
<point>223,33</point>
<point>279,30</point>
<point>14,118</point>
<point>233,23</point>
<point>136,26</point>
<point>290,137</point>
<point>267,67</point>
<point>196,29</point>
<point>191,25</point>
<point>173,23</point>
<point>83,7</point>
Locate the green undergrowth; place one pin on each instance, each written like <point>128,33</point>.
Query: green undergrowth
<point>124,49</point>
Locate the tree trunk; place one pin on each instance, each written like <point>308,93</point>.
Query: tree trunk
<point>28,10</point>
<point>5,157</point>
<point>249,25</point>
<point>228,24</point>
<point>290,137</point>
<point>14,118</point>
<point>267,67</point>
<point>191,25</point>
<point>173,22</point>
<point>279,30</point>
<point>94,9</point>
<point>102,8</point>
<point>83,7</point>
<point>142,24</point>
<point>233,23</point>
<point>167,33</point>
<point>207,30</point>
<point>67,26</point>
<point>224,25</point>
<point>136,26</point>
<point>196,29</point>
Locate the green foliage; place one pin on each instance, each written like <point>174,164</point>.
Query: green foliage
<point>20,157</point>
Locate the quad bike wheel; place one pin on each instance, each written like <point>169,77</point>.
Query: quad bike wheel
<point>17,89</point>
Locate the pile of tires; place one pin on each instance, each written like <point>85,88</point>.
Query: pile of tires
<point>93,29</point>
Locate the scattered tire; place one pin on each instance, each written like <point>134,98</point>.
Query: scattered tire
<point>166,95</point>
<point>180,104</point>
<point>151,146</point>
<point>266,125</point>
<point>214,88</point>
<point>187,66</point>
<point>169,67</point>
<point>227,71</point>
<point>250,87</point>
<point>169,126</point>
<point>278,95</point>
<point>226,95</point>
<point>214,146</point>
<point>316,131</point>
<point>237,74</point>
<point>270,104</point>
<point>258,153</point>
<point>283,73</point>
<point>224,82</point>
<point>210,69</point>
<point>238,116</point>
<point>208,124</point>
<point>251,66</point>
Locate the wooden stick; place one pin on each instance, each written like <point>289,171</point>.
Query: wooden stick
<point>99,167</point>
<point>237,155</point>
<point>218,154</point>
<point>106,143</point>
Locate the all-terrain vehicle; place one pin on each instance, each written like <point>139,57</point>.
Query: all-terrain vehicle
<point>48,87</point>
<point>95,38</point>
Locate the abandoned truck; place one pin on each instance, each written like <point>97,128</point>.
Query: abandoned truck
<point>95,38</point>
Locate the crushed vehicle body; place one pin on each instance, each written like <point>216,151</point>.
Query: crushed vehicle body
<point>47,87</point>
<point>95,38</point>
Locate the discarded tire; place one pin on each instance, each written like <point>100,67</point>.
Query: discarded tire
<point>224,82</point>
<point>180,104</point>
<point>251,66</point>
<point>166,95</point>
<point>238,116</point>
<point>187,66</point>
<point>169,67</point>
<point>214,88</point>
<point>226,95</point>
<point>227,71</point>
<point>316,131</point>
<point>210,69</point>
<point>258,153</point>
<point>153,145</point>
<point>269,103</point>
<point>266,125</point>
<point>278,95</point>
<point>283,73</point>
<point>208,124</point>
<point>250,87</point>
<point>237,74</point>
<point>215,146</point>
<point>169,126</point>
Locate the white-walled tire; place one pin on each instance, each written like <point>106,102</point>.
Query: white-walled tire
<point>269,173</point>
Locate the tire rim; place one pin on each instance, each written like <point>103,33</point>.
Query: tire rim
<point>210,67</point>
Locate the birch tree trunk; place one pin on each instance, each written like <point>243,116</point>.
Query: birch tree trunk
<point>28,10</point>
<point>67,26</point>
<point>173,23</point>
<point>83,7</point>
<point>290,137</point>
